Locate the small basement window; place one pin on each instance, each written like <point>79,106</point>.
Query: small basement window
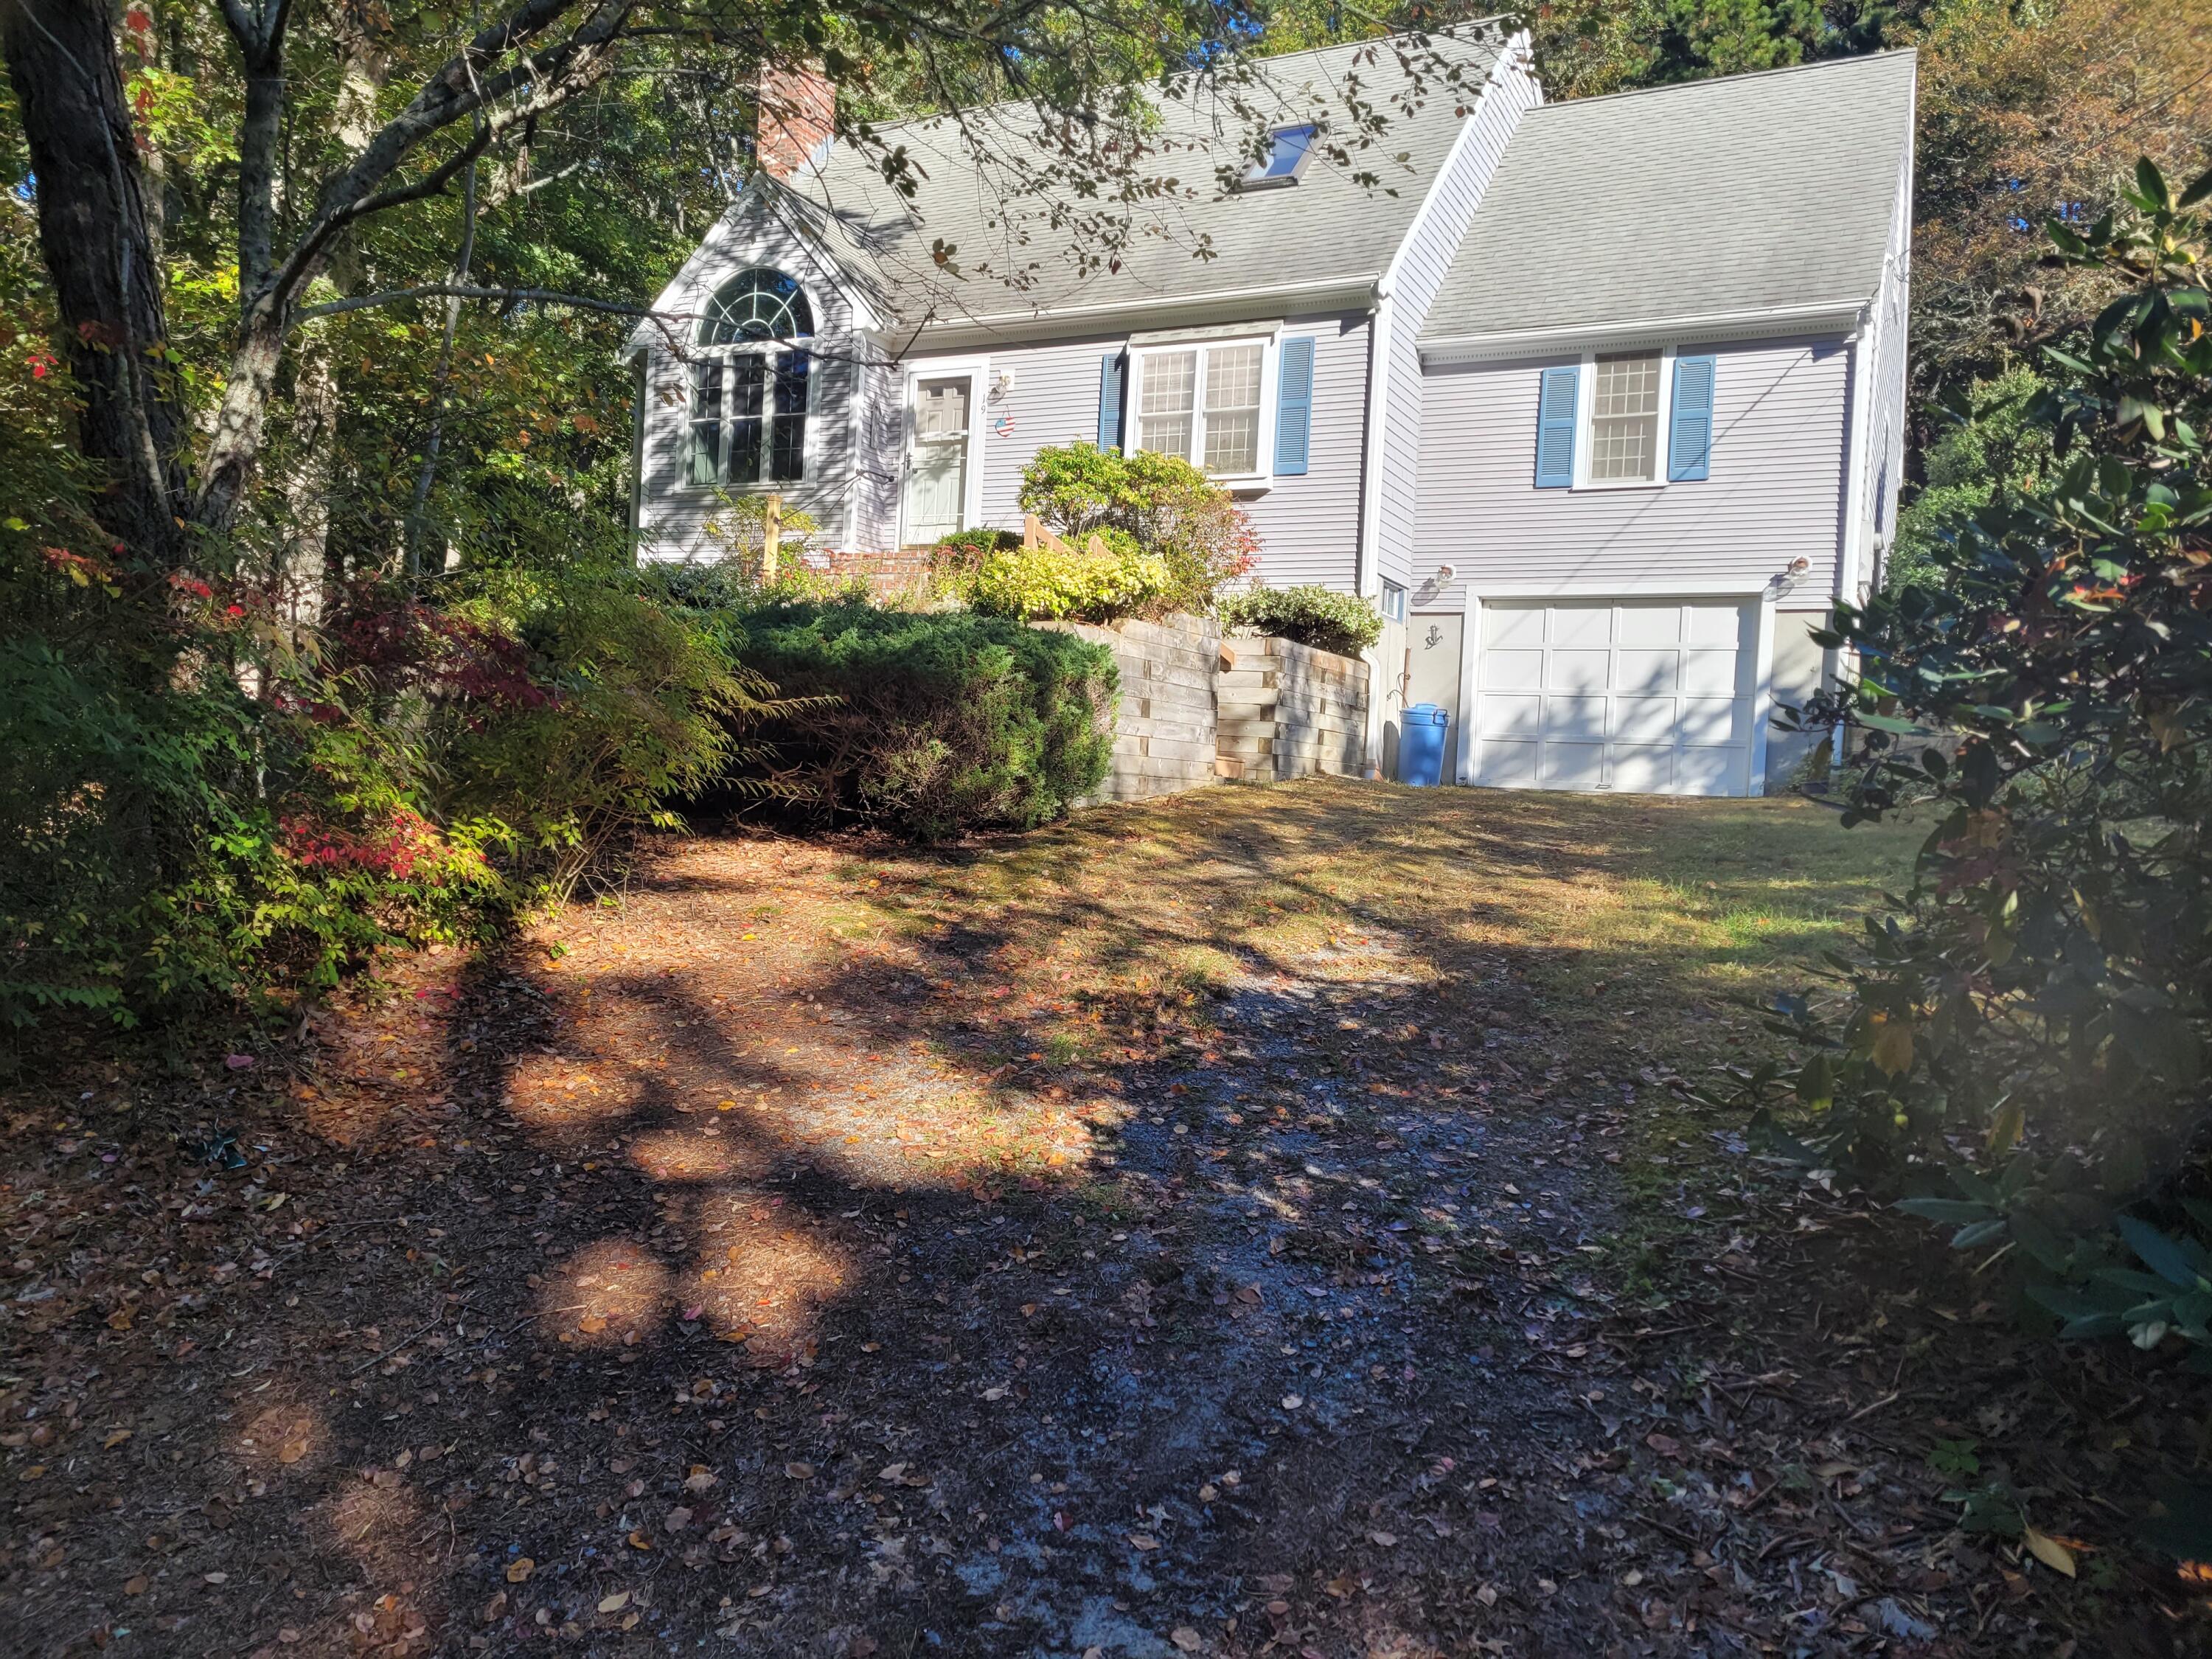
<point>1393,603</point>
<point>1289,149</point>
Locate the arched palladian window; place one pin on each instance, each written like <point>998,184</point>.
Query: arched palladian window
<point>750,383</point>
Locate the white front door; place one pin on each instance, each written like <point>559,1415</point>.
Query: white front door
<point>1644,696</point>
<point>937,458</point>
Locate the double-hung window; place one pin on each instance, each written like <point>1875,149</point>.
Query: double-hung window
<point>1205,402</point>
<point>1624,426</point>
<point>1627,420</point>
<point>751,384</point>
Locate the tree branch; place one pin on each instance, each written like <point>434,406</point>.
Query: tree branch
<point>672,325</point>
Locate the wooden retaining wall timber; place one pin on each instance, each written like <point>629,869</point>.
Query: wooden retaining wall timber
<point>1195,708</point>
<point>1289,711</point>
<point>1165,734</point>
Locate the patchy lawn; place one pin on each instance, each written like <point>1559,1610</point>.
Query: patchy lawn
<point>1270,1222</point>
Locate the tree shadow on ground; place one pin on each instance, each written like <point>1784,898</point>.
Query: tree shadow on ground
<point>1183,1227</point>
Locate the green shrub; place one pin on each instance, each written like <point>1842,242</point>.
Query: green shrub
<point>1172,509</point>
<point>1045,583</point>
<point>738,526</point>
<point>2019,1049</point>
<point>1319,616</point>
<point>941,722</point>
<point>1990,443</point>
<point>638,703</point>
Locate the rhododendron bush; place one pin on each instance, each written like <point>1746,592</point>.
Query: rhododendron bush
<point>2020,1051</point>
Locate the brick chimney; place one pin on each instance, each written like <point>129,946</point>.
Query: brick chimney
<point>798,116</point>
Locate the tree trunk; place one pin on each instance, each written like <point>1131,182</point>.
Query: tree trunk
<point>418,527</point>
<point>306,580</point>
<point>93,229</point>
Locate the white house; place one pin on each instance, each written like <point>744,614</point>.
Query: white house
<point>1601,401</point>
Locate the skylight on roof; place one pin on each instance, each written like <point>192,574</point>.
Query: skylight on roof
<point>1288,150</point>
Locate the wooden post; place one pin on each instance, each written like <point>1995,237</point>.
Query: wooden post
<point>771,536</point>
<point>1030,529</point>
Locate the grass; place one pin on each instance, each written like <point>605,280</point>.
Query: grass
<point>1675,911</point>
<point>1630,939</point>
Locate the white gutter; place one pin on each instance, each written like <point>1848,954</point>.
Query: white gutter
<point>1366,567</point>
<point>1326,293</point>
<point>1832,315</point>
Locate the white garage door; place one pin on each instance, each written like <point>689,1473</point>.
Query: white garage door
<point>1646,696</point>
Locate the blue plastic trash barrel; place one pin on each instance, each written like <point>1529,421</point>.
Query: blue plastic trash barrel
<point>1421,744</point>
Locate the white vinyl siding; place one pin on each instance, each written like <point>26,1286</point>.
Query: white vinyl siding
<point>1512,92</point>
<point>1307,523</point>
<point>673,510</point>
<point>1776,492</point>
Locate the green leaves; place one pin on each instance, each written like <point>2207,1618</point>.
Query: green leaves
<point>2038,1002</point>
<point>2175,1261</point>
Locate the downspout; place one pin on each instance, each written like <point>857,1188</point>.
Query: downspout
<point>1862,366</point>
<point>640,384</point>
<point>1367,568</point>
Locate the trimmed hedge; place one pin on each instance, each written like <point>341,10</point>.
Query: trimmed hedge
<point>1319,616</point>
<point>939,722</point>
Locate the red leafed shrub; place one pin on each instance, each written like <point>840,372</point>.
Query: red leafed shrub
<point>401,641</point>
<point>406,845</point>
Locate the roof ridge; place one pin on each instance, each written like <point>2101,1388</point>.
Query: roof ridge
<point>1853,60</point>
<point>1452,31</point>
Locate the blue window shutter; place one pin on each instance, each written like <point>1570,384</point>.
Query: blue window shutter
<point>1555,428</point>
<point>1294,406</point>
<point>1690,429</point>
<point>1109,400</point>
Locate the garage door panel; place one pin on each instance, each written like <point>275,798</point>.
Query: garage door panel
<point>1579,672</point>
<point>1507,626</point>
<point>1633,695</point>
<point>1643,720</point>
<point>1572,765</point>
<point>1640,671</point>
<point>1709,673</point>
<point>1716,625</point>
<point>1513,671</point>
<point>1642,769</point>
<point>1648,625</point>
<point>1708,720</point>
<point>1512,717</point>
<point>1580,625</point>
<point>1507,765</point>
<point>1574,720</point>
<point>1710,771</point>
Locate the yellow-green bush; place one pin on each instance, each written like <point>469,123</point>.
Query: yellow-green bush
<point>1069,584</point>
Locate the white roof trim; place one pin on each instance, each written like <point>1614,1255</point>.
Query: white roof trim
<point>1229,305</point>
<point>1513,54</point>
<point>1831,317</point>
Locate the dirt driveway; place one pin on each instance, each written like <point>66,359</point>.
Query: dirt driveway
<point>1266,1223</point>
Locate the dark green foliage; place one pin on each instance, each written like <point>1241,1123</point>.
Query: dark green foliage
<point>942,722</point>
<point>1319,616</point>
<point>2029,1027</point>
<point>1984,439</point>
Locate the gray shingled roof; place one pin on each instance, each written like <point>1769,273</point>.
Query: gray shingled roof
<point>1014,257</point>
<point>1751,193</point>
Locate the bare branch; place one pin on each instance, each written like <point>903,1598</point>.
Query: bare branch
<point>672,325</point>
